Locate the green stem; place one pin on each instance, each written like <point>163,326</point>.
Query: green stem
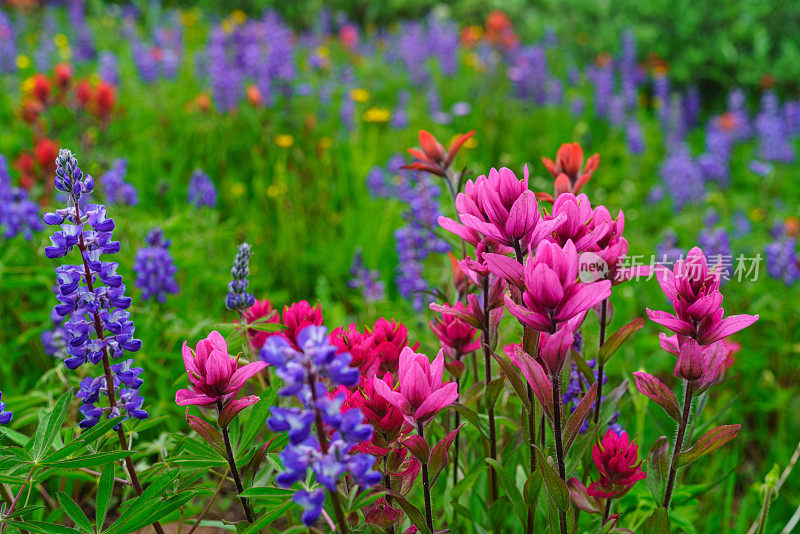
<point>426,486</point>
<point>248,512</point>
<point>490,406</point>
<point>600,365</point>
<point>557,436</point>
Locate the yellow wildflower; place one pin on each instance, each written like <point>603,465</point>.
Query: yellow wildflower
<point>359,95</point>
<point>377,115</point>
<point>284,140</point>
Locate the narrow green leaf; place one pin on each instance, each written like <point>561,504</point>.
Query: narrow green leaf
<point>105,487</point>
<point>473,417</point>
<point>89,460</point>
<point>268,517</point>
<point>99,429</point>
<point>616,339</point>
<point>556,488</point>
<point>258,417</point>
<point>510,487</point>
<point>578,416</point>
<point>54,421</point>
<point>514,377</point>
<point>268,493</point>
<point>74,511</point>
<point>533,487</point>
<point>610,403</point>
<point>493,391</point>
<point>11,479</point>
<point>40,527</point>
<point>413,513</point>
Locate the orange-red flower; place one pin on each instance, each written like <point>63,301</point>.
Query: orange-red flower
<point>432,157</point>
<point>105,97</point>
<point>62,74</point>
<point>569,172</point>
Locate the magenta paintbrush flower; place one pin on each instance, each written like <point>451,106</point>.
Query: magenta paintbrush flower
<point>501,208</point>
<point>553,348</point>
<point>454,333</point>
<point>617,461</point>
<point>214,375</point>
<point>579,223</point>
<point>421,393</point>
<point>701,366</point>
<point>693,289</point>
<point>551,293</point>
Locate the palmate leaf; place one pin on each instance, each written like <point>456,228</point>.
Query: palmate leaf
<point>145,505</point>
<point>74,511</point>
<point>149,516</point>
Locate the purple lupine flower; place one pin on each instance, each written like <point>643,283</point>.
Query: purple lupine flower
<point>347,113</point>
<point>443,42</point>
<point>576,389</point>
<point>91,295</point>
<point>5,415</point>
<point>201,190</point>
<point>667,251</point>
<point>715,162</point>
<point>577,106</point>
<point>761,168</point>
<point>107,68</point>
<point>682,176</point>
<point>602,77</point>
<point>117,190</point>
<point>691,104</point>
<point>369,281</point>
<point>8,45</point>
<point>782,258</point>
<point>634,136</point>
<point>741,225</point>
<point>399,118</point>
<point>46,49</point>
<point>315,362</point>
<point>155,268</point>
<point>18,214</point>
<point>238,298</point>
<point>630,74</point>
<point>83,47</point>
<point>413,51</point>
<point>717,248</point>
<point>461,109</point>
<point>710,218</point>
<point>740,127</point>
<point>616,110</point>
<point>529,74</point>
<point>791,114</point>
<point>773,136</point>
<point>662,94</point>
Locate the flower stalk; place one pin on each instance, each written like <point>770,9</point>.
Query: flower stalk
<point>248,512</point>
<point>426,485</point>
<point>485,341</point>
<point>673,465</point>
<point>600,363</point>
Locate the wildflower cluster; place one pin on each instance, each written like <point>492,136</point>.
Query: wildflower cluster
<point>238,298</point>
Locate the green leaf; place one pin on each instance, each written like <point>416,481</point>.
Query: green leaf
<point>148,515</point>
<point>657,468</point>
<point>493,390</point>
<point>40,527</point>
<point>99,429</point>
<point>50,425</point>
<point>413,513</point>
<point>578,416</point>
<point>267,518</point>
<point>510,487</point>
<point>583,367</point>
<point>708,442</point>
<point>514,377</point>
<point>268,493</point>
<point>618,338</point>
<point>532,489</point>
<point>556,488</point>
<point>89,460</point>
<point>74,511</point>
<point>658,523</point>
<point>473,417</point>
<point>258,416</point>
<point>11,479</point>
<point>105,488</point>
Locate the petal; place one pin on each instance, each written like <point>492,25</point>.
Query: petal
<point>242,374</point>
<point>505,267</point>
<point>184,397</point>
<point>584,297</point>
<point>670,321</point>
<point>437,401</point>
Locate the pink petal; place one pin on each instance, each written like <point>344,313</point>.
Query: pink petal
<point>242,375</point>
<point>584,298</point>
<point>670,321</point>
<point>437,401</point>
<point>729,325</point>
<point>505,267</point>
<point>184,397</point>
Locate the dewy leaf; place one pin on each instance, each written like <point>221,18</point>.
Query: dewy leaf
<point>618,338</point>
<point>578,416</point>
<point>556,488</point>
<point>708,442</point>
<point>510,487</point>
<point>658,523</point>
<point>657,468</point>
<point>50,425</point>
<point>105,488</point>
<point>74,511</point>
